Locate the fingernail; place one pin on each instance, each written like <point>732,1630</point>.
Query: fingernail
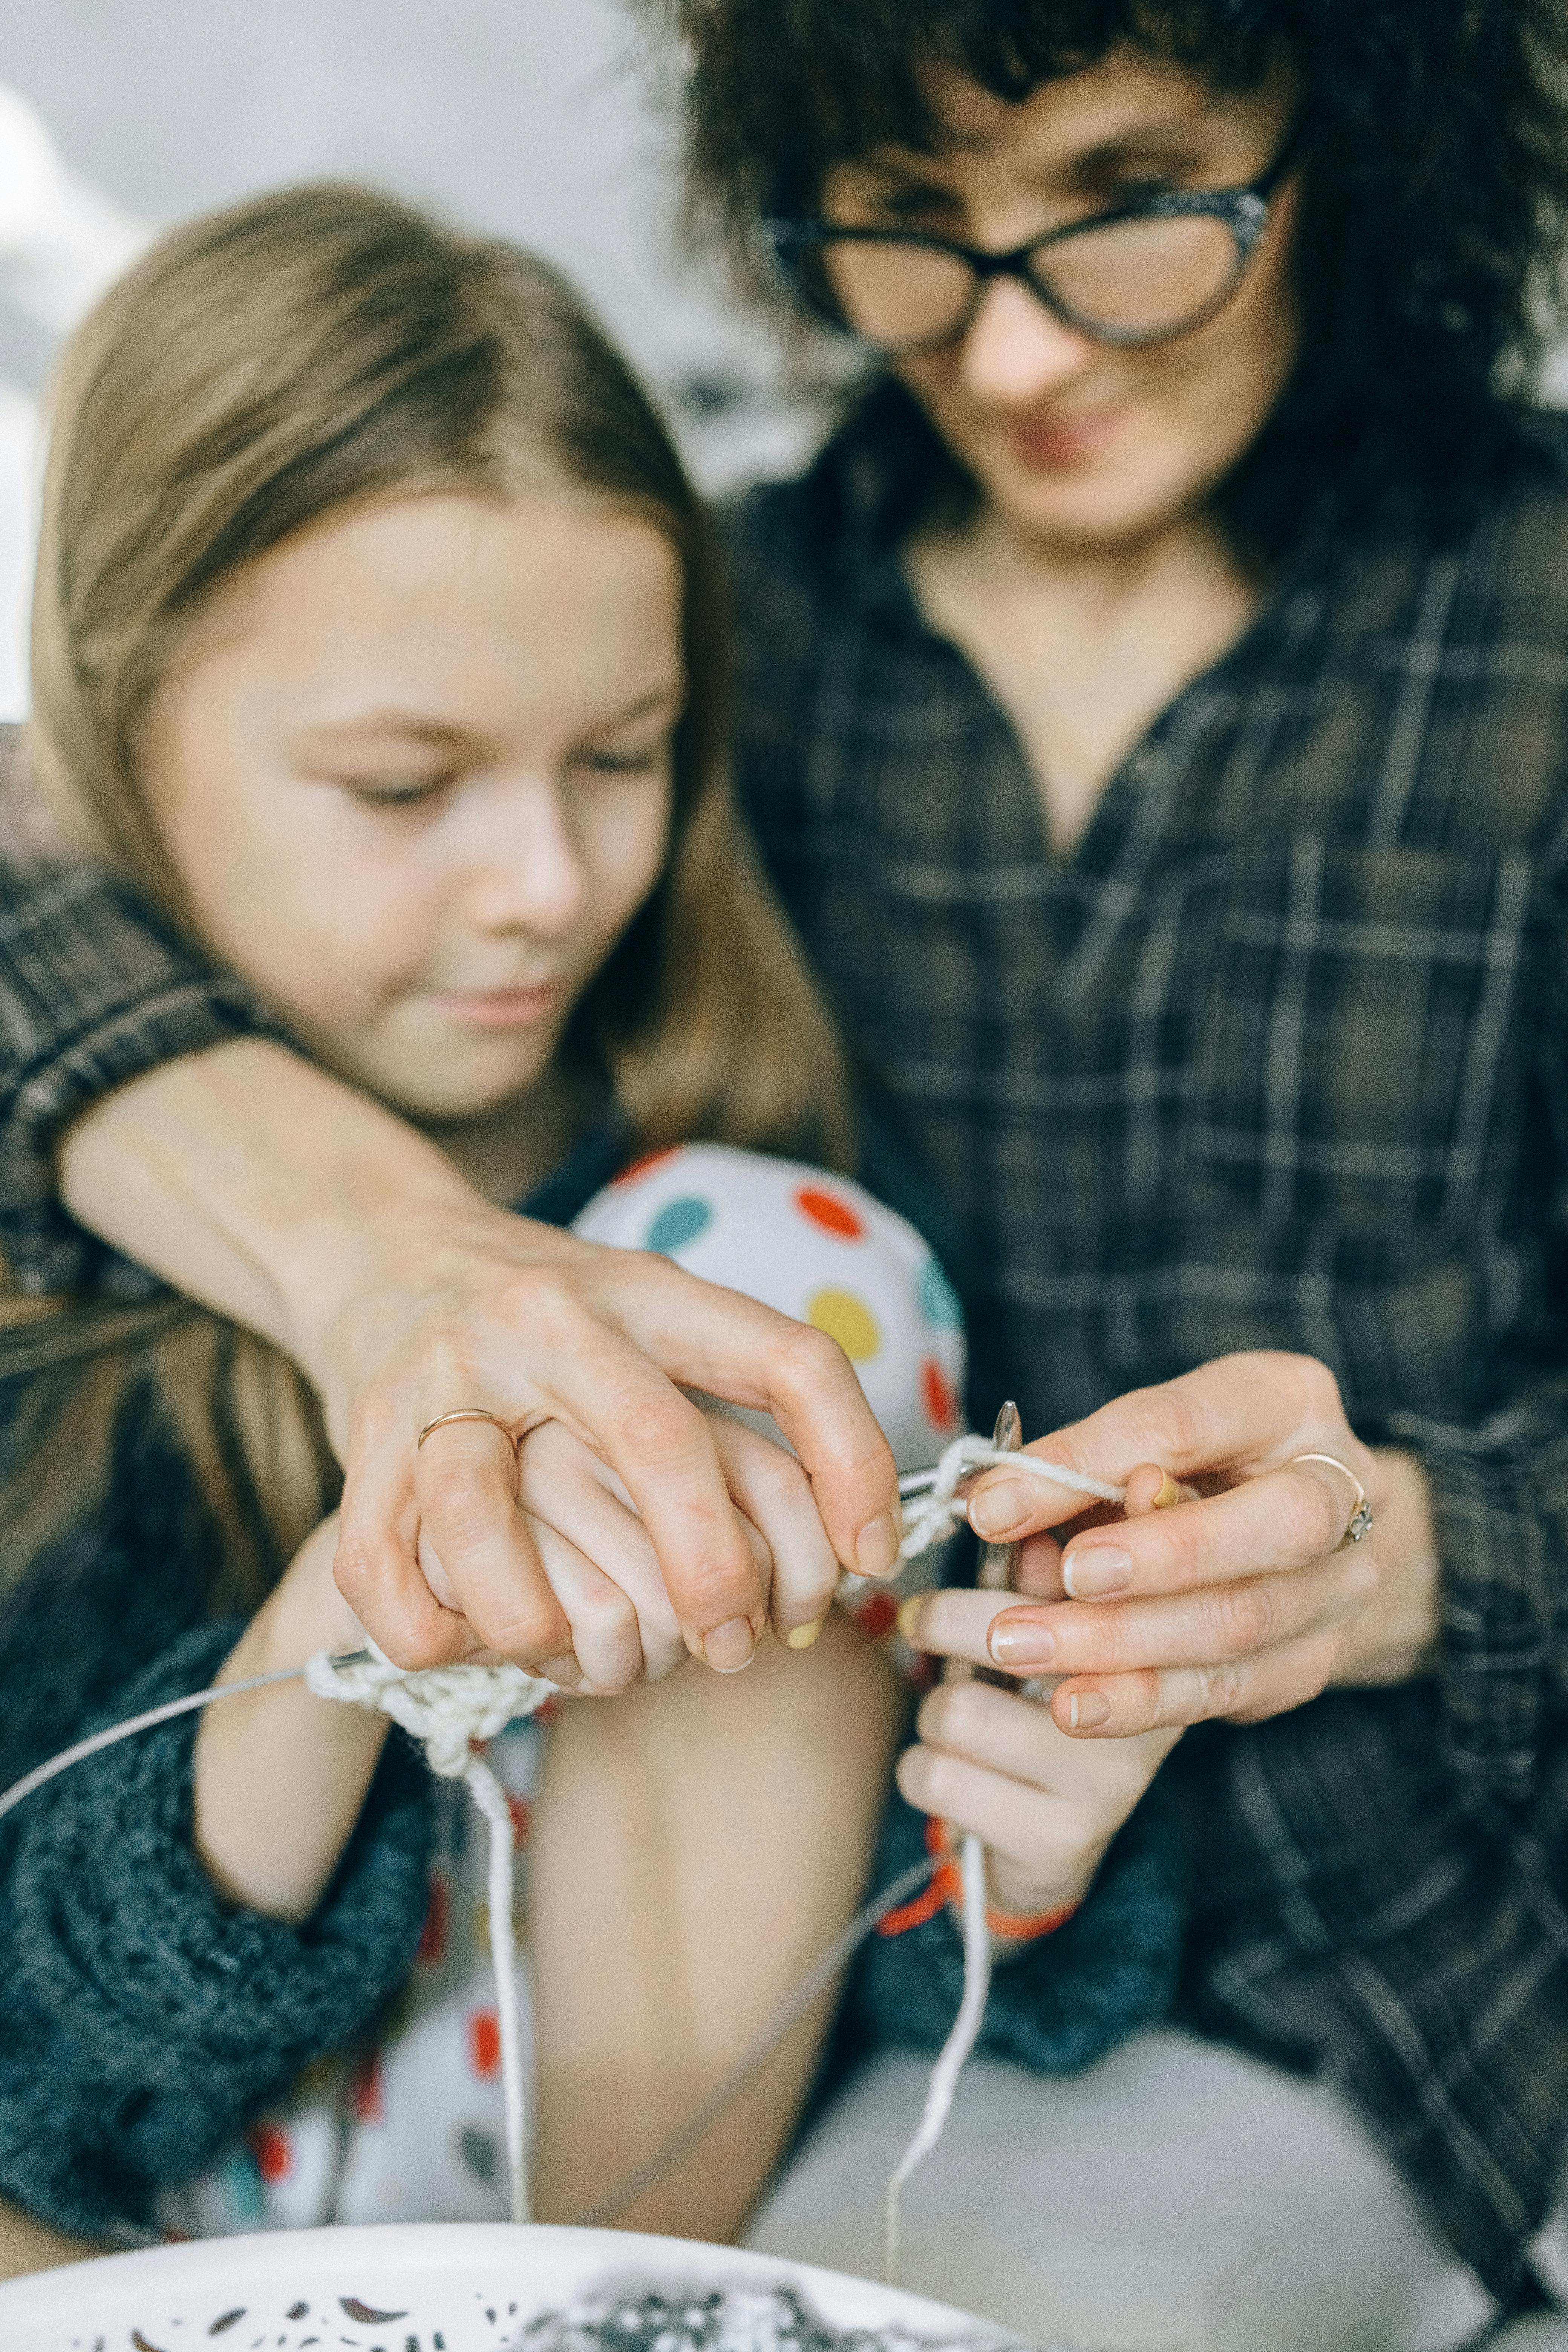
<point>910,1614</point>
<point>1022,1645</point>
<point>995,1510</point>
<point>804,1636</point>
<point>563,1671</point>
<point>1091,1570</point>
<point>877,1545</point>
<point>1169,1493</point>
<point>730,1647</point>
<point>1087,1710</point>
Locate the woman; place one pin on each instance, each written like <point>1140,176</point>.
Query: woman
<point>1154,722</point>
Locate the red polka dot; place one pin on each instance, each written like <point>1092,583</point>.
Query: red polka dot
<point>270,2148</point>
<point>432,1935</point>
<point>484,2042</point>
<point>518,1807</point>
<point>635,1168</point>
<point>876,1615</point>
<point>940,1403</point>
<point>827,1210</point>
<point>546,1711</point>
<point>365,2095</point>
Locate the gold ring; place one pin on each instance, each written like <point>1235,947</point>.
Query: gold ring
<point>1361,1518</point>
<point>463,1413</point>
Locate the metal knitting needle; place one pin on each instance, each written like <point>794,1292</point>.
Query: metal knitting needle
<point>999,1561</point>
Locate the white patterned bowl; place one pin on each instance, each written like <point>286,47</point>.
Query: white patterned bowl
<point>440,2287</point>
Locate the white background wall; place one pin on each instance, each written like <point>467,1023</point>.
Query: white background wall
<point>531,118</point>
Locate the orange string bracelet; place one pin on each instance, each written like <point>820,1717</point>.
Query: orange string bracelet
<point>945,1887</point>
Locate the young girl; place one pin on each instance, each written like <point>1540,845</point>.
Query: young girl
<point>377,646</point>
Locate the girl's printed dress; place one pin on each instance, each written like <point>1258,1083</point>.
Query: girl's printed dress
<point>409,2126</point>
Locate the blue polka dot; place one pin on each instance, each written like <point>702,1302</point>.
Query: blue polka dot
<point>938,1300</point>
<point>677,1223</point>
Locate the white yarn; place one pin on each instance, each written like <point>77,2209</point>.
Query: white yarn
<point>931,1517</point>
<point>955,2050</point>
<point>446,1709</point>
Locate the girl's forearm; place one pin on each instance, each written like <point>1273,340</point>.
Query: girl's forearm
<point>281,1775</point>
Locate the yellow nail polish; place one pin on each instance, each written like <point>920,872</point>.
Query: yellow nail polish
<point>1169,1493</point>
<point>910,1615</point>
<point>804,1636</point>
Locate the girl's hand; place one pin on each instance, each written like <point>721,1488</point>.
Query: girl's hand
<point>281,1775</point>
<point>604,1573</point>
<point>1236,1600</point>
<point>993,1762</point>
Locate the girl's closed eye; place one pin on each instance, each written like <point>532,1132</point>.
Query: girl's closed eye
<point>394,792</point>
<point>637,760</point>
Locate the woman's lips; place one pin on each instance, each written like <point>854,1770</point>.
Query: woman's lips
<point>1054,444</point>
<point>499,1008</point>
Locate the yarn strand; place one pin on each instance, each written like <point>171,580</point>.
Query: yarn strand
<point>447,1709</point>
<point>954,2052</point>
<point>116,1732</point>
<point>929,1517</point>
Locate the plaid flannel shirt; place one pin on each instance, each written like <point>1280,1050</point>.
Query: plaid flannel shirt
<point>1277,1058</point>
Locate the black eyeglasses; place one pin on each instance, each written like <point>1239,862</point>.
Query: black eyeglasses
<point>1145,273</point>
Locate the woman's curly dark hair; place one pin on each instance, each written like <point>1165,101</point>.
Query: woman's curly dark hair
<point>1434,211</point>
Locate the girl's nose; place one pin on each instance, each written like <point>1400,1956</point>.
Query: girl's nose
<point>1016,350</point>
<point>529,874</point>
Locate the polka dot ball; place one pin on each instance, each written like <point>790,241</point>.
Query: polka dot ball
<point>818,1247</point>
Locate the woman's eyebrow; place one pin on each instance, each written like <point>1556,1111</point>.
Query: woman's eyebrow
<point>1162,146</point>
<point>1167,147</point>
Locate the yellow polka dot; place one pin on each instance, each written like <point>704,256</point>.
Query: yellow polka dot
<point>848,1320</point>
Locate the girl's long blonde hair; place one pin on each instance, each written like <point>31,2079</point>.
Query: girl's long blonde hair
<point>256,370</point>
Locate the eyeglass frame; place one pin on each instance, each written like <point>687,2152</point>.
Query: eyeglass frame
<point>1245,211</point>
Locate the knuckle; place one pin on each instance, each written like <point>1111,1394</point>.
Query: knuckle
<point>1247,1618</point>
<point>1182,1542</point>
<point>942,1781</point>
<point>778,1478</point>
<point>358,1567</point>
<point>803,1357</point>
<point>1174,1427</point>
<point>528,1630</point>
<point>1219,1690</point>
<point>962,1715</point>
<point>657,1424</point>
<point>602,1608</point>
<point>1314,1388</point>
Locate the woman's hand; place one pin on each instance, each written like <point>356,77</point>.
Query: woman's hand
<point>1234,1601</point>
<point>274,1194</point>
<point>604,1573</point>
<point>543,1329</point>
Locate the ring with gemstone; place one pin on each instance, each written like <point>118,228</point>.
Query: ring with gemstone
<point>1361,1517</point>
